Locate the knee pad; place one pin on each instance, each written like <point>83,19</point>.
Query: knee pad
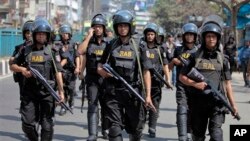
<point>30,131</point>
<point>47,125</point>
<point>115,131</point>
<point>216,135</point>
<point>181,109</point>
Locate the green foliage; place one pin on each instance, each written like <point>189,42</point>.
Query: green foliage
<point>170,13</point>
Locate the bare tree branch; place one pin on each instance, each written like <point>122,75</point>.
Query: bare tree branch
<point>222,3</point>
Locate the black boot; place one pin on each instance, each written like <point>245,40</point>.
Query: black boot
<point>30,132</point>
<point>92,126</point>
<point>182,123</point>
<point>104,134</point>
<point>152,123</point>
<point>46,136</point>
<point>152,132</point>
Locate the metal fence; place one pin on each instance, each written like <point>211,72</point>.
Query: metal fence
<point>9,38</point>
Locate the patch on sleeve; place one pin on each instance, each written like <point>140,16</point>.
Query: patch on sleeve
<point>147,54</point>
<point>58,58</point>
<point>164,54</point>
<point>228,65</point>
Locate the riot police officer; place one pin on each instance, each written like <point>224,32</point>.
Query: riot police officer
<point>93,47</point>
<point>161,36</point>
<point>37,103</point>
<point>211,63</point>
<point>230,50</point>
<point>27,37</point>
<point>157,55</point>
<point>123,109</point>
<point>71,66</point>
<point>187,49</point>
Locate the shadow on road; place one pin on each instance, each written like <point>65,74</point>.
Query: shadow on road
<point>10,117</point>
<point>16,136</point>
<point>147,138</point>
<point>73,123</point>
<point>168,109</point>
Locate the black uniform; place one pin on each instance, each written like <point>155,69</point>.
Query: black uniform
<point>69,77</point>
<point>37,103</point>
<point>123,110</point>
<point>94,84</point>
<point>230,50</point>
<point>205,109</point>
<point>182,94</point>
<point>18,77</point>
<point>157,55</point>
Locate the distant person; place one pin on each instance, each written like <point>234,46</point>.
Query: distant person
<point>243,60</point>
<point>230,50</point>
<point>109,34</point>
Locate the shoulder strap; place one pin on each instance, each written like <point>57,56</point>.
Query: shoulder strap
<point>198,56</point>
<point>111,48</point>
<point>50,50</point>
<point>161,60</point>
<point>138,61</point>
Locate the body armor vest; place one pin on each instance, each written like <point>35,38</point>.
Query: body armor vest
<point>154,56</point>
<point>123,60</point>
<point>185,53</point>
<point>71,55</point>
<point>40,60</point>
<point>94,54</point>
<point>211,67</point>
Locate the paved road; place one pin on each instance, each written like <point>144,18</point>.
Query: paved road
<point>74,127</point>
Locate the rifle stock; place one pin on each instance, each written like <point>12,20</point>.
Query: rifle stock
<point>44,82</point>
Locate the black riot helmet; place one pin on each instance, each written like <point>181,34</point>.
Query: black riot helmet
<point>27,26</point>
<point>99,19</point>
<point>65,29</point>
<point>211,27</point>
<point>41,25</point>
<point>150,27</point>
<point>161,32</point>
<point>189,28</point>
<point>124,16</point>
<point>161,35</point>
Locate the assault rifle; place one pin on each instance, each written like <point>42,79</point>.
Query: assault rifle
<point>198,77</point>
<point>109,69</point>
<point>44,82</point>
<point>158,75</point>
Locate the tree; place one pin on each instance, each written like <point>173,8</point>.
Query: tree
<point>172,13</point>
<point>233,7</point>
